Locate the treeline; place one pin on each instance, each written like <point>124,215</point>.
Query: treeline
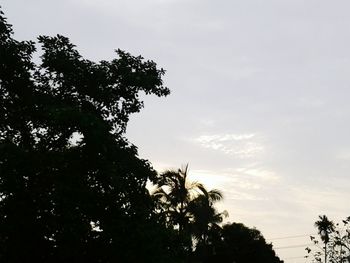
<point>188,209</point>
<point>73,189</point>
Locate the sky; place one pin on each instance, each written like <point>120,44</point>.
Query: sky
<point>259,104</point>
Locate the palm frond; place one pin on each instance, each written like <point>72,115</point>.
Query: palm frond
<point>215,195</point>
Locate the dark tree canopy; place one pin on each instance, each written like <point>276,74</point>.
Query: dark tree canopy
<point>72,188</point>
<point>240,244</point>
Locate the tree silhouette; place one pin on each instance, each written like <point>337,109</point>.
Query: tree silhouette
<point>324,227</point>
<point>335,239</point>
<point>189,207</point>
<point>205,217</point>
<point>240,244</point>
<point>175,192</point>
<point>205,223</point>
<point>72,188</point>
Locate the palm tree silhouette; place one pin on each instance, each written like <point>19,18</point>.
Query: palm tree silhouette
<point>188,206</point>
<point>324,227</point>
<point>175,192</point>
<point>205,217</point>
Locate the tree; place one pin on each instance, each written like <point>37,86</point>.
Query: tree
<point>205,217</point>
<point>240,244</point>
<point>72,188</point>
<point>189,208</point>
<point>205,223</point>
<point>175,192</point>
<point>336,241</point>
<point>325,227</point>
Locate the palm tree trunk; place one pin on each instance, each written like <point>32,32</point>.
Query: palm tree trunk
<point>182,218</point>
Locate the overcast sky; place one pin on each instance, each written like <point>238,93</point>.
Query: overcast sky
<point>260,97</point>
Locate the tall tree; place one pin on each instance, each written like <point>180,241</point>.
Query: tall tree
<point>188,206</point>
<point>175,192</point>
<point>72,188</point>
<point>325,227</point>
<point>205,217</point>
<point>205,223</point>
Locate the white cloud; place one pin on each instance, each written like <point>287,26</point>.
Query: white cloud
<point>237,145</point>
<point>343,155</point>
<point>263,174</point>
<point>233,194</point>
<point>246,183</point>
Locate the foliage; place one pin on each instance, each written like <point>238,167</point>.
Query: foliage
<point>324,227</point>
<point>240,244</point>
<point>72,188</point>
<point>205,218</point>
<point>174,192</point>
<point>335,239</point>
<point>187,206</point>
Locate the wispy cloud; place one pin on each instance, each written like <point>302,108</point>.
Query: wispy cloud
<point>343,155</point>
<point>319,199</point>
<point>238,145</point>
<point>262,174</point>
<point>234,194</point>
<point>235,186</point>
<point>247,183</point>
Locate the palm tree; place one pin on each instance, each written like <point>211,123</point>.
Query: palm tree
<point>324,227</point>
<point>175,192</point>
<point>188,206</point>
<point>205,217</point>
